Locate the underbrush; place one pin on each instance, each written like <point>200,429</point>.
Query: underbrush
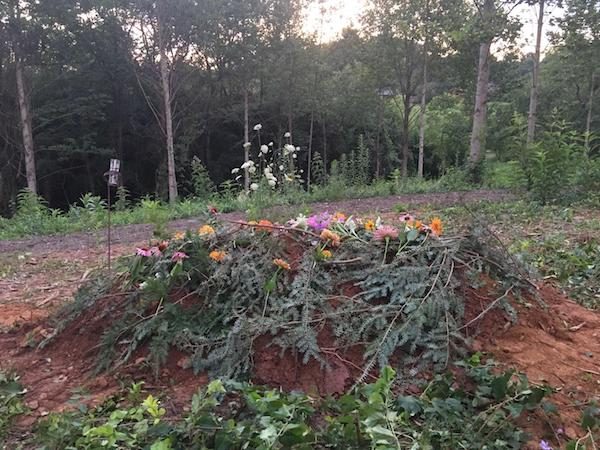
<point>34,217</point>
<point>11,405</point>
<point>574,264</point>
<point>477,409</point>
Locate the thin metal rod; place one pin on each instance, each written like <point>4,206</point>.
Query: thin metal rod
<point>109,225</point>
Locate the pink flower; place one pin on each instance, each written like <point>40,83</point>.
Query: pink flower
<point>385,232</point>
<point>406,218</point>
<point>179,256</point>
<point>155,251</point>
<point>319,222</point>
<point>144,252</point>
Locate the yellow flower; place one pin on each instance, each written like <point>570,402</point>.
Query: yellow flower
<point>436,226</point>
<point>370,225</point>
<point>333,238</point>
<point>206,230</point>
<point>282,264</point>
<point>179,236</point>
<point>217,255</point>
<point>326,254</point>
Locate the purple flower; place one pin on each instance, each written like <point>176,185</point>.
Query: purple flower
<point>319,222</point>
<point>544,445</point>
<point>179,256</point>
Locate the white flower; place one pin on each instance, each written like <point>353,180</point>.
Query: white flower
<point>297,149</point>
<point>287,149</point>
<point>299,222</point>
<point>247,145</point>
<point>257,127</point>
<point>287,135</point>
<point>247,165</point>
<point>254,186</point>
<point>271,144</point>
<point>294,156</point>
<point>301,170</point>
<point>378,223</point>
<point>281,168</point>
<point>288,178</point>
<point>238,177</point>
<point>252,169</point>
<point>234,171</point>
<point>272,183</point>
<point>267,170</point>
<point>264,149</point>
<point>144,285</point>
<point>351,225</point>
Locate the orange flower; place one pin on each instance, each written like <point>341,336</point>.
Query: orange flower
<point>370,225</point>
<point>217,255</point>
<point>417,224</point>
<point>206,231</point>
<point>265,225</point>
<point>179,236</point>
<point>436,226</point>
<point>333,238</point>
<point>163,246</point>
<point>282,264</point>
<point>339,217</point>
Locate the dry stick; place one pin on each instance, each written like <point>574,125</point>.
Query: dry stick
<point>488,309</point>
<point>271,227</point>
<point>497,238</point>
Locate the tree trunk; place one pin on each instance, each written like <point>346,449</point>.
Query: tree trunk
<point>326,173</point>
<point>405,135</point>
<point>168,113</point>
<point>588,122</point>
<point>246,139</point>
<point>26,127</point>
<point>378,140</point>
<point>481,97</point>
<point>422,115</point>
<point>310,144</point>
<point>533,99</point>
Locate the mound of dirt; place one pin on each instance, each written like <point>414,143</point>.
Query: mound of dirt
<point>554,341</point>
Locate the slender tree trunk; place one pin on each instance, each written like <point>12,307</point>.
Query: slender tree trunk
<point>378,140</point>
<point>422,115</point>
<point>481,97</point>
<point>326,173</point>
<point>168,112</point>
<point>533,99</point>
<point>26,127</point>
<point>588,122</point>
<point>246,139</point>
<point>310,145</point>
<point>405,135</point>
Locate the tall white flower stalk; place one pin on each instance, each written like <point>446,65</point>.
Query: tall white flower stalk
<point>269,167</point>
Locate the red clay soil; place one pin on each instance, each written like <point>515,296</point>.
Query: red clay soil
<point>556,344</point>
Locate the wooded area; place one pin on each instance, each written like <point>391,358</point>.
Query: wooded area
<point>425,85</point>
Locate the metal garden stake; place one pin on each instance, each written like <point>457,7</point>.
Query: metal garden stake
<point>112,180</point>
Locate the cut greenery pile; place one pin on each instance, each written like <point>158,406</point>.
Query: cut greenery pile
<point>387,288</point>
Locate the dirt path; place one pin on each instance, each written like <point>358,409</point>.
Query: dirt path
<point>128,234</point>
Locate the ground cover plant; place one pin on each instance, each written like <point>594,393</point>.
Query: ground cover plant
<point>227,415</point>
